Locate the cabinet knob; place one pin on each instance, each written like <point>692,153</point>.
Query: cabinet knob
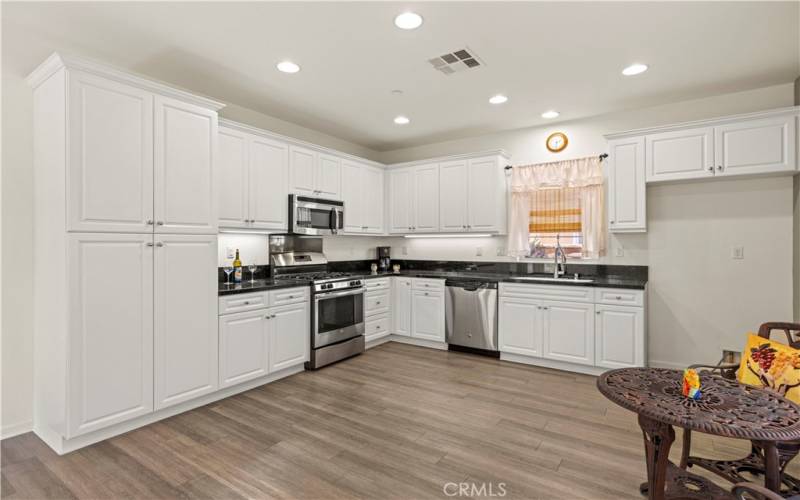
<point>160,223</point>
<point>291,296</point>
<point>377,303</point>
<point>597,312</point>
<point>149,222</point>
<point>377,327</point>
<point>619,297</point>
<point>719,167</point>
<point>544,307</point>
<point>426,293</point>
<point>159,244</point>
<point>611,222</point>
<point>710,168</point>
<point>247,302</point>
<point>149,244</point>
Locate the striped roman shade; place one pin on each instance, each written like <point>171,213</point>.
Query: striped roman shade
<point>556,210</point>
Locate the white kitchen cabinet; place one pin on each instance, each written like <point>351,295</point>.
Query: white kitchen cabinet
<point>425,199</point>
<point>680,154</point>
<point>427,315</point>
<point>401,196</point>
<point>233,209</point>
<point>486,195</point>
<point>362,193</point>
<point>185,335</point>
<point>568,329</point>
<point>289,335</point>
<point>454,190</point>
<point>626,185</point>
<point>302,167</point>
<point>185,178</point>
<point>327,176</point>
<point>756,146</point>
<point>268,182</point>
<point>401,306</point>
<point>619,336</point>
<point>520,326</point>
<point>110,354</point>
<point>243,347</point>
<point>110,164</point>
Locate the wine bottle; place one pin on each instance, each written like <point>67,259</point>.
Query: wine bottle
<point>237,268</point>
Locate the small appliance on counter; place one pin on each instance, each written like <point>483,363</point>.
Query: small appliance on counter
<point>384,259</point>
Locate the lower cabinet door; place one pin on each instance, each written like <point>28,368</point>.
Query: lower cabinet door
<point>427,315</point>
<point>619,334</point>
<point>186,339</point>
<point>110,330</point>
<point>289,336</point>
<point>401,306</point>
<point>520,326</point>
<point>242,347</point>
<point>569,332</point>
<point>376,327</point>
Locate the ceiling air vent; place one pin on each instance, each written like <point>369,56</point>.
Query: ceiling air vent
<point>454,62</point>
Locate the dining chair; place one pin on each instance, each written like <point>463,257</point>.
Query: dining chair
<point>754,462</point>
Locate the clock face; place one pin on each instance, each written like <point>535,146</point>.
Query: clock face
<point>557,142</point>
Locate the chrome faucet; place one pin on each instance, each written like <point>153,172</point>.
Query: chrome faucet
<point>560,268</point>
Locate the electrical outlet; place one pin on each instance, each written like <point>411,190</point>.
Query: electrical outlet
<point>619,252</point>
<point>501,251</point>
<point>737,253</point>
<point>405,250</point>
<point>230,253</point>
<point>479,251</point>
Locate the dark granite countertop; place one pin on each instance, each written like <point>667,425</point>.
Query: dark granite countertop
<point>261,285</point>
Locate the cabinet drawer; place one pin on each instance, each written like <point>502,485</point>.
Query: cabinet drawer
<point>376,327</point>
<point>288,296</point>
<point>242,302</point>
<point>427,284</point>
<point>376,284</point>
<point>619,296</point>
<point>376,302</point>
<point>548,292</point>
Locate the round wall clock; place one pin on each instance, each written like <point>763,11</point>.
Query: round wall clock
<point>556,142</point>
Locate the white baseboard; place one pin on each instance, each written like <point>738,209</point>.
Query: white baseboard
<point>15,429</point>
<point>556,365</point>
<point>61,445</point>
<point>418,342</point>
<point>377,342</point>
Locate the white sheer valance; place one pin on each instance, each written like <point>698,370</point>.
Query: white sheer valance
<point>556,196</point>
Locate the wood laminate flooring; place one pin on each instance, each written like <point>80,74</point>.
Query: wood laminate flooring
<point>398,422</point>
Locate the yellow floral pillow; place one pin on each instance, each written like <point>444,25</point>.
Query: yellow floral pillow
<point>767,363</point>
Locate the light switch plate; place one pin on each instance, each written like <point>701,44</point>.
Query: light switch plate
<point>619,252</point>
<point>230,253</point>
<point>405,250</point>
<point>501,251</point>
<point>737,253</point>
<point>479,251</point>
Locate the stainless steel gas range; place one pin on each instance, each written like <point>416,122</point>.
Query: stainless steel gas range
<point>337,299</point>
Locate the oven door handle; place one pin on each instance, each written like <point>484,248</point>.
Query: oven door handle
<point>331,295</point>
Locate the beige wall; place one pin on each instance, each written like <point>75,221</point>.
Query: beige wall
<point>796,243</point>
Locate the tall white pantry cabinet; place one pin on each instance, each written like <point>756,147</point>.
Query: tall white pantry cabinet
<point>125,224</point>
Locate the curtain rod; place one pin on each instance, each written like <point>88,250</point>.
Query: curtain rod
<point>602,157</point>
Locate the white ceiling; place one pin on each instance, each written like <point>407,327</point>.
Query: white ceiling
<point>563,56</point>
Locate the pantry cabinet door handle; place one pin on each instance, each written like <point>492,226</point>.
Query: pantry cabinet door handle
<point>150,244</point>
<point>719,167</point>
<point>149,222</point>
<point>159,244</point>
<point>160,223</point>
<point>711,168</point>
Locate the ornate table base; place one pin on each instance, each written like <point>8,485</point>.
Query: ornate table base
<point>753,464</point>
<point>665,479</point>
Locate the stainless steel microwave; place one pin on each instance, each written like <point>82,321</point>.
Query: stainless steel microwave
<point>315,216</point>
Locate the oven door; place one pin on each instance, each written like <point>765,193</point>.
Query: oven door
<point>317,218</point>
<point>337,316</point>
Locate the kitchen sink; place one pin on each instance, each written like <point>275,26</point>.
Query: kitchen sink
<point>554,280</point>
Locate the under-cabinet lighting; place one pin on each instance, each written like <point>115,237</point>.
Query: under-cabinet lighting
<point>454,235</point>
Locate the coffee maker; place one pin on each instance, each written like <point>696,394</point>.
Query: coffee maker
<point>384,260</point>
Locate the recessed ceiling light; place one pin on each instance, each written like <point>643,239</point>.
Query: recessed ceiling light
<point>408,21</point>
<point>550,114</point>
<point>401,120</point>
<point>288,67</point>
<point>498,99</point>
<point>634,69</point>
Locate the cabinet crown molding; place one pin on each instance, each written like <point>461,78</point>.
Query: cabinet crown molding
<point>720,120</point>
<point>464,156</point>
<point>57,61</point>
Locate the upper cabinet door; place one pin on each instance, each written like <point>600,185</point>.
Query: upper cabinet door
<point>486,195</point>
<point>233,178</point>
<point>400,200</point>
<point>352,196</point>
<point>110,164</point>
<point>426,199</point>
<point>110,330</point>
<point>186,340</point>
<point>681,154</point>
<point>269,184</point>
<point>372,199</point>
<point>453,192</point>
<point>328,177</point>
<point>626,185</point>
<point>185,170</point>
<point>302,167</point>
<point>756,146</point>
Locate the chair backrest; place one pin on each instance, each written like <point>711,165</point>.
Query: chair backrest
<point>792,331</point>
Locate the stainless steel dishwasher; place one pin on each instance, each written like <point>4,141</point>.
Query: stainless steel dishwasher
<point>471,315</point>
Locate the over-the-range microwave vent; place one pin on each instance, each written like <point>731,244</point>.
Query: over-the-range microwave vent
<point>456,61</point>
